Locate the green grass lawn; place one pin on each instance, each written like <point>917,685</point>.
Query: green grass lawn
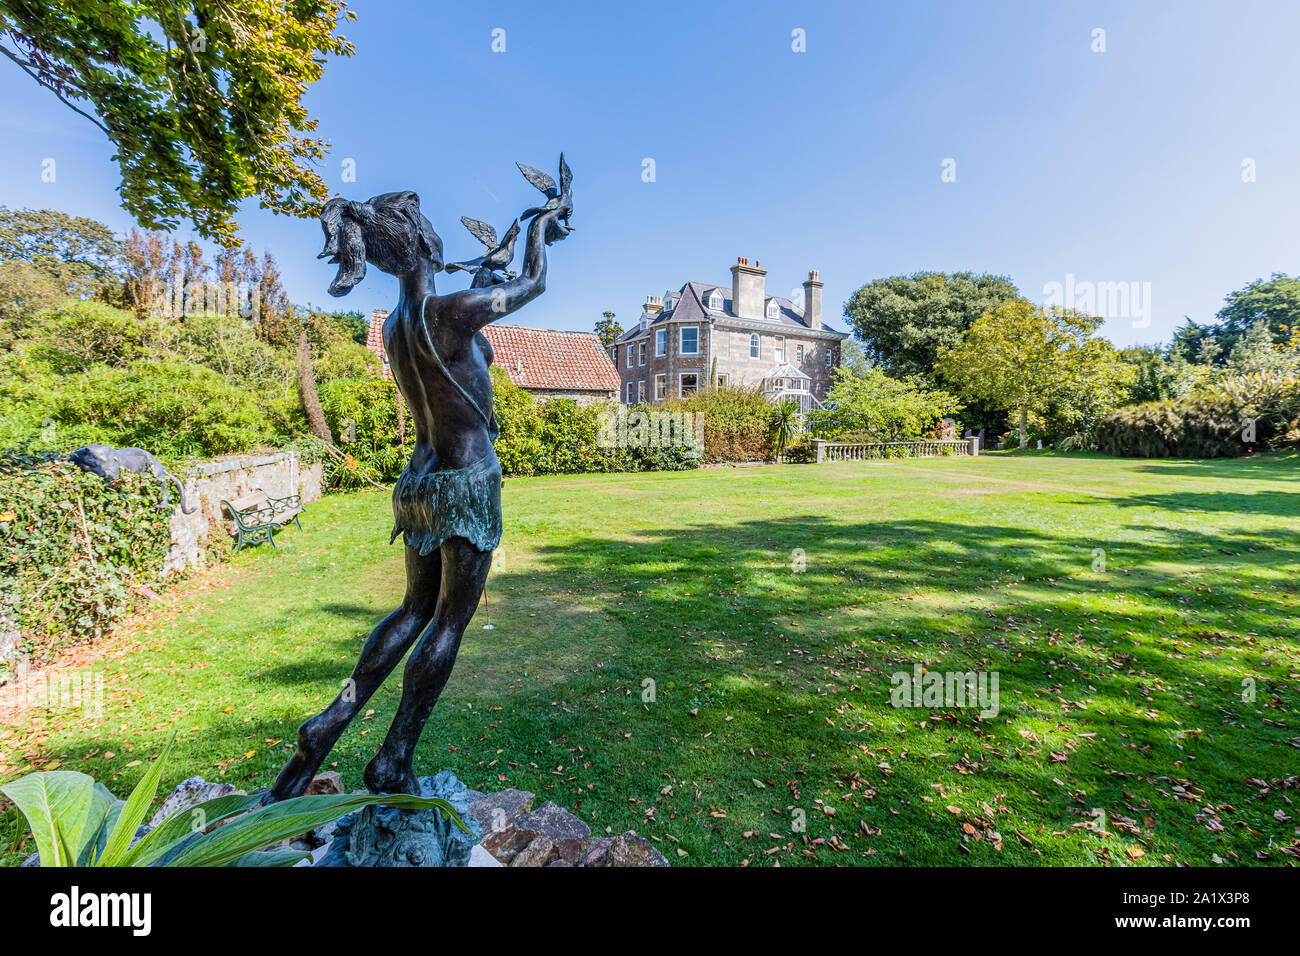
<point>1120,689</point>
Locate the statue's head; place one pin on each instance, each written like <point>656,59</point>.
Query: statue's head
<point>98,460</point>
<point>388,231</point>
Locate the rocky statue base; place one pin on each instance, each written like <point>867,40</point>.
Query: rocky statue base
<point>388,836</point>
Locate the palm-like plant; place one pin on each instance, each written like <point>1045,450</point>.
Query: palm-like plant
<point>78,822</point>
<point>785,424</point>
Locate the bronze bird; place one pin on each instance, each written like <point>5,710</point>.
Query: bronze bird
<point>554,194</point>
<point>490,268</point>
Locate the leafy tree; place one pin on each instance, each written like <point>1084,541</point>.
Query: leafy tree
<point>1159,376</point>
<point>1025,358</point>
<point>1275,302</point>
<point>871,403</point>
<point>608,330</point>
<point>80,256</point>
<point>352,324</point>
<point>1256,351</point>
<point>904,321</point>
<point>202,98</point>
<point>24,291</point>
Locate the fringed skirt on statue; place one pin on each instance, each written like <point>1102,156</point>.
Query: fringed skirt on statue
<point>457,503</point>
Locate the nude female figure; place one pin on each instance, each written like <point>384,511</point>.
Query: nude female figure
<point>447,503</point>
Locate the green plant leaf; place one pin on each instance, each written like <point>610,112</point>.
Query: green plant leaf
<point>278,856</point>
<point>132,815</point>
<point>279,821</point>
<point>58,806</point>
<point>180,827</point>
<point>94,844</point>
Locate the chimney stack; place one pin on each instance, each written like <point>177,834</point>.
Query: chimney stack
<point>812,301</point>
<point>747,289</point>
<point>650,311</point>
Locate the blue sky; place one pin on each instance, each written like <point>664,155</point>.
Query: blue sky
<point>1118,166</point>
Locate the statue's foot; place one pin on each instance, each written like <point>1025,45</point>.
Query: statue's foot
<point>300,771</point>
<point>385,775</point>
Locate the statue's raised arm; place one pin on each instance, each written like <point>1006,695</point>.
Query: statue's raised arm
<point>494,293</point>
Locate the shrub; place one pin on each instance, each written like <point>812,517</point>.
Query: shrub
<point>74,547</point>
<point>172,409</point>
<point>737,423</point>
<point>1212,423</point>
<point>569,440</point>
<point>870,402</point>
<point>519,446</point>
<point>362,416</point>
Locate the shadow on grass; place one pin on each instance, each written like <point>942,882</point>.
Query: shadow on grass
<point>770,644</point>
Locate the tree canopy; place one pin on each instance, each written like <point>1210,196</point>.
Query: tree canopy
<point>1026,358</point>
<point>202,98</point>
<point>1274,301</point>
<point>904,321</point>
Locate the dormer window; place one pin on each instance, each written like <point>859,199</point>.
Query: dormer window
<point>773,310</point>
<point>715,301</point>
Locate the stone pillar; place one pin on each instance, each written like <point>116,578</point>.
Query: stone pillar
<point>974,446</point>
<point>820,445</point>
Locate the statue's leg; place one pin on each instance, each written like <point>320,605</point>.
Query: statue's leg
<point>464,572</point>
<point>385,647</point>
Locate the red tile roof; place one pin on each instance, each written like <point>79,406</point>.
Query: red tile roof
<point>536,358</point>
<point>543,358</point>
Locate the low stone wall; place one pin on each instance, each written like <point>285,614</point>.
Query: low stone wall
<point>924,448</point>
<point>211,482</point>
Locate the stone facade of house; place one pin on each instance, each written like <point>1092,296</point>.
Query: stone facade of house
<point>735,335</point>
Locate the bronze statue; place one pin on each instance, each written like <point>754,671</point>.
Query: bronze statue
<point>447,503</point>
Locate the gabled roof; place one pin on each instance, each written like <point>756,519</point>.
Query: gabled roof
<point>691,307</point>
<point>545,358</point>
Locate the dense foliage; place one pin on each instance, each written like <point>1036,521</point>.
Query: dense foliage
<point>1274,301</point>
<point>1030,359</point>
<point>903,321</point>
<point>737,423</point>
<point>74,547</point>
<point>202,99</point>
<point>877,408</point>
<point>1233,417</point>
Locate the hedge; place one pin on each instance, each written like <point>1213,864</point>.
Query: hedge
<point>1230,419</point>
<point>74,548</point>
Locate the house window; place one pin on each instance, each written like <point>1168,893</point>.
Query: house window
<point>629,393</point>
<point>778,349</point>
<point>640,354</point>
<point>613,354</point>
<point>798,354</point>
<point>690,342</point>
<point>629,356</point>
<point>640,391</point>
<point>688,383</point>
<point>661,343</point>
<point>773,310</point>
<point>715,301</point>
<point>753,345</point>
<point>659,387</point>
<point>722,381</point>
<point>829,357</point>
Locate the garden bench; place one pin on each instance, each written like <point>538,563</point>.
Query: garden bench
<point>259,516</point>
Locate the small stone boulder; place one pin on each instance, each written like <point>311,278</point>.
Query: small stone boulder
<point>565,832</point>
<point>193,791</point>
<point>540,851</point>
<point>629,849</point>
<point>494,810</point>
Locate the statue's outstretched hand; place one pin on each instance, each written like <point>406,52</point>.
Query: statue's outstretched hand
<point>557,219</point>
